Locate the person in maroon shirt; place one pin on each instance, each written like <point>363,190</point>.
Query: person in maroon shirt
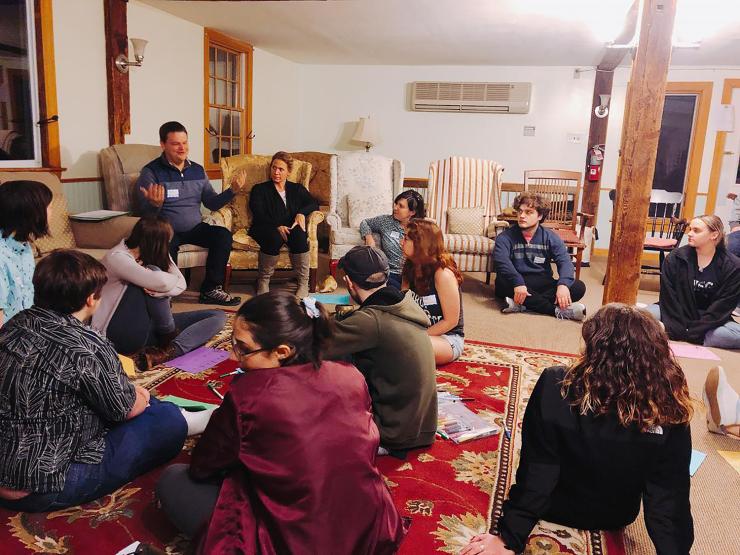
<point>287,463</point>
<point>601,436</point>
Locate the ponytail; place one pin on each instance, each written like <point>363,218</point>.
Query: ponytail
<point>278,317</point>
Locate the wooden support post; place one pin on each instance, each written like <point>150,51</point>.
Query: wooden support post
<point>603,85</point>
<point>116,42</point>
<point>640,132</point>
<point>596,136</point>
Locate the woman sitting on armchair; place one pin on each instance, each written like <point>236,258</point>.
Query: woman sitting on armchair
<point>279,211</point>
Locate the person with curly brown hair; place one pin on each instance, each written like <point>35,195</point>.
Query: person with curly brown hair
<point>603,435</point>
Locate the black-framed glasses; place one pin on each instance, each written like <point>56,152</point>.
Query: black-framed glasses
<point>241,353</point>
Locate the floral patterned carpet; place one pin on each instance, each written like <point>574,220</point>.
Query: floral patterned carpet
<point>451,492</point>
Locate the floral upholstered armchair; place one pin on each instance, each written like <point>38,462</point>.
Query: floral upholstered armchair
<point>365,187</point>
<point>237,217</point>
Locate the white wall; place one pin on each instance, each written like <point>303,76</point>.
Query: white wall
<point>275,95</point>
<point>334,97</point>
<point>169,86</point>
<point>79,51</point>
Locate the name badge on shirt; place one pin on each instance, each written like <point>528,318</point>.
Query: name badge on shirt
<point>173,193</point>
<point>429,300</point>
<point>395,235</point>
<point>539,259</point>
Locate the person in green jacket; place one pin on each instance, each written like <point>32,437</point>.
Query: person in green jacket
<point>387,340</point>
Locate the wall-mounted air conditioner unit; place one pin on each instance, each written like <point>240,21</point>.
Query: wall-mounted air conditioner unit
<point>492,98</point>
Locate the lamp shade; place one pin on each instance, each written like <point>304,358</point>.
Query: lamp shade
<point>139,46</point>
<point>366,132</point>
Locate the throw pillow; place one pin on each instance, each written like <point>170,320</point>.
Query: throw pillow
<point>465,221</point>
<point>361,207</point>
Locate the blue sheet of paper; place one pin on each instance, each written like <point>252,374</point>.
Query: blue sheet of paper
<point>332,298</point>
<point>697,457</point>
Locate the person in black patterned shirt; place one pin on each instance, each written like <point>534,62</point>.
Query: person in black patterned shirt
<point>74,428</point>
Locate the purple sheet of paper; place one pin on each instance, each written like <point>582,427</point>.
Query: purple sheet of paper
<point>692,351</point>
<point>198,360</point>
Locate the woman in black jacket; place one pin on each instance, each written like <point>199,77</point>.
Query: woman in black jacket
<point>279,210</point>
<point>602,436</point>
<point>700,287</point>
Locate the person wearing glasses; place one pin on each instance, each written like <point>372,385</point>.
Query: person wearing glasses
<point>293,440</point>
<point>279,210</point>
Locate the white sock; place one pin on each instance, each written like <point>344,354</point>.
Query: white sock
<point>197,421</point>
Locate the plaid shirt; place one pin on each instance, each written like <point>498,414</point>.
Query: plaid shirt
<point>61,386</point>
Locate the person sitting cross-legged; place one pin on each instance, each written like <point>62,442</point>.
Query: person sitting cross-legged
<point>700,288</point>
<point>74,427</point>
<point>523,255</point>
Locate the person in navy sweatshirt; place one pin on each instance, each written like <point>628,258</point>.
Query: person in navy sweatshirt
<point>174,187</point>
<point>523,257</point>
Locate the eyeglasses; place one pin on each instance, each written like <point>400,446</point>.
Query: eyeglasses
<point>241,353</point>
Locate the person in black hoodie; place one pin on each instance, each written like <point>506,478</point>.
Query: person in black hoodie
<point>700,287</point>
<point>280,209</point>
<point>601,436</point>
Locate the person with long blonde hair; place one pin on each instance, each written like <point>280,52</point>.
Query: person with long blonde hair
<point>602,436</point>
<point>700,288</point>
<point>432,275</point>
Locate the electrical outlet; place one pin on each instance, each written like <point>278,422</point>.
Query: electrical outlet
<point>529,130</point>
<point>575,138</point>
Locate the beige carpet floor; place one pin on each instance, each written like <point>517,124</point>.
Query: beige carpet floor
<point>715,488</point>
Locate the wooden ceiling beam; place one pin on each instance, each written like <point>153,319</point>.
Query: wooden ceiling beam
<point>640,132</point>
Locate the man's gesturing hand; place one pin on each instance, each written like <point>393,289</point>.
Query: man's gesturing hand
<point>154,194</point>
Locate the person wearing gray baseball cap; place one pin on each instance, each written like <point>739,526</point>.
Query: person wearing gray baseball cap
<point>388,342</point>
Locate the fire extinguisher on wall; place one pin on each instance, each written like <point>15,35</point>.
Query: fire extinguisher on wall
<point>595,161</point>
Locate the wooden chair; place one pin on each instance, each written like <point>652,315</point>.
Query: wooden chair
<point>563,189</point>
<point>665,227</point>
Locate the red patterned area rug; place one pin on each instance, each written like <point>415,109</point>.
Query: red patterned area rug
<point>451,492</point>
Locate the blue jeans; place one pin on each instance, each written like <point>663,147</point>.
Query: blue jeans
<point>727,336</point>
<point>139,318</point>
<point>132,448</point>
<point>733,243</point>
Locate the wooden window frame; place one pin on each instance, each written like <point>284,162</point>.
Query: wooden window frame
<point>246,52</point>
<point>51,160</point>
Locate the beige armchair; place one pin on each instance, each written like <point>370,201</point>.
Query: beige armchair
<point>365,187</point>
<point>464,199</point>
<point>120,166</point>
<point>237,217</point>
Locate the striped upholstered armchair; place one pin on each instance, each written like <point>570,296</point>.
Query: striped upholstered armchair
<point>464,198</point>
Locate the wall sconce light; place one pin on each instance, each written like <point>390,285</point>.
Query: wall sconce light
<point>366,132</point>
<point>122,62</point>
<point>602,110</point>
